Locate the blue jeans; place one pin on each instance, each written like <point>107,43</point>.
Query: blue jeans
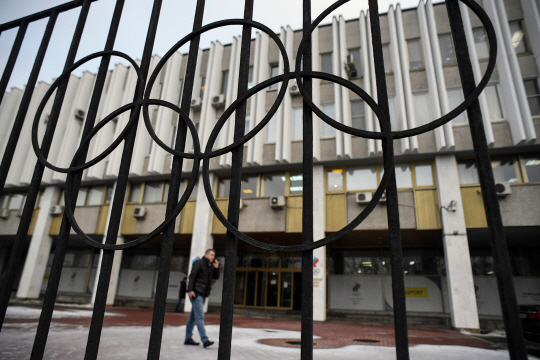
<point>196,316</point>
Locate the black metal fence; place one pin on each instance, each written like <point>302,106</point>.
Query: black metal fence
<point>141,100</point>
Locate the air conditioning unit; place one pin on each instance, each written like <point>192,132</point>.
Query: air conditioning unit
<point>277,202</point>
<point>503,189</point>
<point>383,197</point>
<point>139,212</point>
<point>4,213</point>
<point>56,210</point>
<point>196,103</point>
<point>218,101</point>
<point>350,66</point>
<point>363,197</point>
<point>80,114</point>
<point>46,119</point>
<point>293,89</point>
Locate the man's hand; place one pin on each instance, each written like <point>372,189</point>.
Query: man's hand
<point>216,264</point>
<point>192,295</point>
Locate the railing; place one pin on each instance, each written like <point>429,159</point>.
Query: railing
<point>141,101</point>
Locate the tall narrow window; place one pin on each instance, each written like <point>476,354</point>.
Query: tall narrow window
<point>250,77</point>
<point>455,97</point>
<point>494,103</point>
<point>519,41</point>
<point>481,44</point>
<point>415,54</point>
<point>326,63</point>
<point>327,130</point>
<point>297,124</point>
<point>422,108</point>
<point>153,192</point>
<point>393,119</point>
<point>355,53</point>
<point>446,45</point>
<point>271,129</point>
<point>387,56</point>
<point>247,128</point>
<point>203,85</point>
<point>274,71</point>
<point>358,115</point>
<point>224,81</point>
<point>533,96</point>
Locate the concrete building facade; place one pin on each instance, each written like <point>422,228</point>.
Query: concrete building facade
<point>447,259</point>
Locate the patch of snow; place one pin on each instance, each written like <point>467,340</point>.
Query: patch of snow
<point>494,333</point>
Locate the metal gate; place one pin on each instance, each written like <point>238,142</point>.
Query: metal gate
<point>141,100</point>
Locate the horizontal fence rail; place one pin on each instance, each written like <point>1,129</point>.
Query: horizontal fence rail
<point>303,73</point>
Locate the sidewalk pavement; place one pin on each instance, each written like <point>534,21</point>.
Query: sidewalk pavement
<point>126,332</point>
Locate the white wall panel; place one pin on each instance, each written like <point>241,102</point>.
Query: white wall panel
<point>366,71</point>
<point>345,98</point>
<point>8,112</point>
<point>280,114</point>
<point>316,93</point>
<point>232,88</point>
<point>375,121</point>
<point>287,103</point>
<point>260,110</point>
<point>252,111</point>
<point>336,64</point>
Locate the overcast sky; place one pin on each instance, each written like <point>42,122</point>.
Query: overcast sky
<point>176,21</point>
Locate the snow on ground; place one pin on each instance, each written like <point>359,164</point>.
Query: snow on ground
<point>21,312</point>
<point>131,342</point>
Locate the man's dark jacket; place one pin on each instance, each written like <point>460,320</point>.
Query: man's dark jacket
<point>182,290</point>
<point>200,279</point>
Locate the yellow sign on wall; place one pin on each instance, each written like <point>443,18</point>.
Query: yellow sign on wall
<point>416,292</point>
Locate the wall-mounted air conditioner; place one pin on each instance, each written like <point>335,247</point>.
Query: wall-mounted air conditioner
<point>294,89</point>
<point>196,103</point>
<point>139,212</point>
<point>218,101</point>
<point>503,189</point>
<point>56,210</point>
<point>277,202</point>
<point>363,197</point>
<point>350,66</point>
<point>80,114</point>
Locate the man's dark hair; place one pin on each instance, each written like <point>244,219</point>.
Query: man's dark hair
<point>209,250</point>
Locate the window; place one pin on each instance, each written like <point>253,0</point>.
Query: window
<point>422,108</point>
<point>403,175</point>
<point>250,76</point>
<point>326,63</point>
<point>16,201</point>
<point>531,164</point>
<point>248,187</point>
<point>203,85</point>
<point>446,45</point>
<point>504,170</point>
<point>481,44</point>
<point>274,71</point>
<point>423,174</point>
<point>95,195</point>
<point>357,63</point>
<point>455,97</point>
<point>296,186</point>
<point>392,108</point>
<point>361,178</point>
<point>135,193</point>
<point>533,96</point>
<point>493,102</point>
<point>327,130</point>
<point>246,125</point>
<point>387,58</point>
<point>358,115</point>
<point>224,81</point>
<point>271,129</point>
<point>519,40</point>
<point>297,124</point>
<point>415,54</point>
<point>153,192</point>
<point>193,195</point>
<point>108,195</point>
<point>81,198</point>
<point>335,179</point>
<point>273,184</point>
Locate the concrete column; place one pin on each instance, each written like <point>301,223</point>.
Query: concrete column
<point>463,308</point>
<point>40,248</point>
<point>202,239</point>
<point>319,255</point>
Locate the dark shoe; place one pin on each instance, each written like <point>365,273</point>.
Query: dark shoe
<point>207,343</point>
<point>192,342</point>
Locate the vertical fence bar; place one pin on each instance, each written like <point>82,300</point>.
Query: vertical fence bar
<point>8,70</point>
<point>158,318</point>
<point>61,246</point>
<point>499,248</point>
<point>96,324</point>
<point>229,273</point>
<point>394,232</point>
<point>22,231</point>
<point>307,196</point>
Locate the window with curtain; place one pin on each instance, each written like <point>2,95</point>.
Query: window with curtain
<point>361,178</point>
<point>327,130</point>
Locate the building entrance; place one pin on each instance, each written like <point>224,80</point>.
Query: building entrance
<point>268,281</point>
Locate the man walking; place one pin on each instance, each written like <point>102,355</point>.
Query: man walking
<point>203,272</point>
<point>182,294</point>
